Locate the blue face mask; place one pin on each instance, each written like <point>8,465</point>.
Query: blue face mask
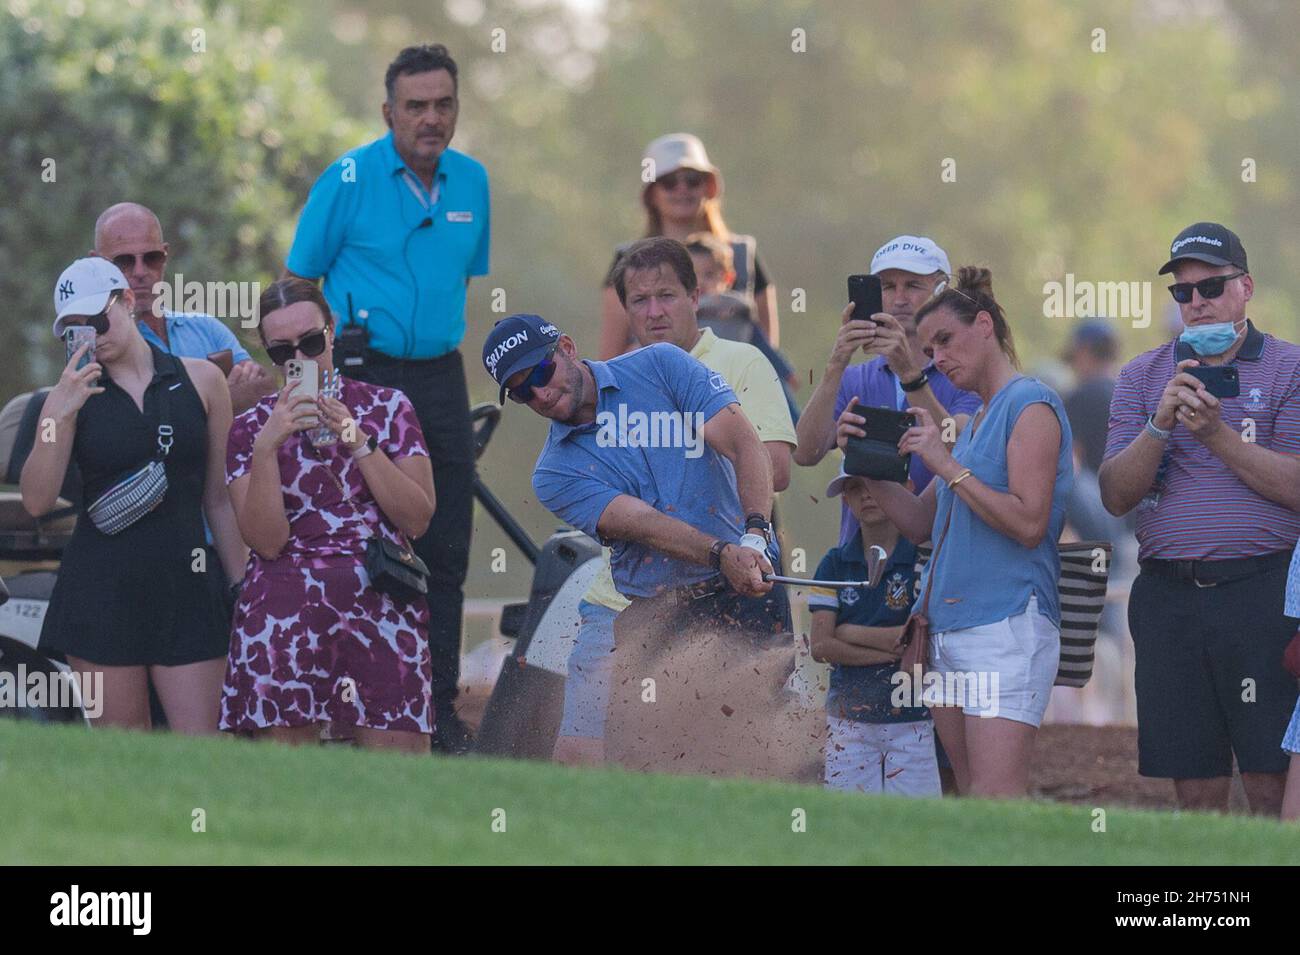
<point>1210,340</point>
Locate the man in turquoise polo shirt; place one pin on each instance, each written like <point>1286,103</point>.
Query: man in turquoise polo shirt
<point>396,228</point>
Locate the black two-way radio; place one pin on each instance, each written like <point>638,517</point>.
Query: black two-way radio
<point>351,342</point>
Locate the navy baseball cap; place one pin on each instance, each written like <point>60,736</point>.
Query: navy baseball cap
<point>516,343</point>
<point>1207,242</point>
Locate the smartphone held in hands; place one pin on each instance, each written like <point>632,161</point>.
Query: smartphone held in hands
<point>73,338</point>
<point>866,295</point>
<point>304,375</point>
<point>1221,381</point>
<point>876,456</point>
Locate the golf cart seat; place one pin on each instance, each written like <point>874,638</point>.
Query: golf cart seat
<point>21,535</point>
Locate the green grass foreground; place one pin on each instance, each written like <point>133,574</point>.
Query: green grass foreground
<point>76,797</point>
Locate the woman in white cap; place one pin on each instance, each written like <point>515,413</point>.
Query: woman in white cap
<point>684,196</point>
<point>140,594</point>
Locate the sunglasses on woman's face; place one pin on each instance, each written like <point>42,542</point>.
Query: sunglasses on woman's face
<point>1209,288</point>
<point>539,377</point>
<point>152,260</point>
<point>98,322</point>
<point>311,345</point>
<point>693,179</point>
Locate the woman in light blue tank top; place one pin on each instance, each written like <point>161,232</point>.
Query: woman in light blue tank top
<point>995,513</point>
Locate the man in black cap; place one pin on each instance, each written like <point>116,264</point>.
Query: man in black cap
<point>1216,485</point>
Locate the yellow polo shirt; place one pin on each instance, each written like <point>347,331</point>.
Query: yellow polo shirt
<point>754,381</point>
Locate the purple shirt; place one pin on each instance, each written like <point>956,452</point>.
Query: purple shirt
<point>1197,508</point>
<point>877,386</point>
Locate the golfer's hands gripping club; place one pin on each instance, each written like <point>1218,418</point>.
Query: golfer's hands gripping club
<point>744,569</point>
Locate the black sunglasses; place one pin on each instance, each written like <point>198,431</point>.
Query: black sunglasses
<point>311,345</point>
<point>539,377</point>
<point>1209,288</point>
<point>152,260</point>
<point>98,322</point>
<point>693,179</point>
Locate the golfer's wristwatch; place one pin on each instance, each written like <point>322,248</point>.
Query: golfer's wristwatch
<point>715,553</point>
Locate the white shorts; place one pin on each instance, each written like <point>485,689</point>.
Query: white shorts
<point>894,758</point>
<point>1001,669</point>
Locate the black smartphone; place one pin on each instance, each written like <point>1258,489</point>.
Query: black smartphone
<point>1219,380</point>
<point>876,456</point>
<point>866,296</point>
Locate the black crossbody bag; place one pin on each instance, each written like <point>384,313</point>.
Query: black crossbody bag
<point>394,569</point>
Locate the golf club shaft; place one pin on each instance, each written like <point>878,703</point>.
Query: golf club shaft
<point>778,579</point>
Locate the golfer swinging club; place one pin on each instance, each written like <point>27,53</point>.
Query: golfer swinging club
<point>674,516</point>
<point>684,505</point>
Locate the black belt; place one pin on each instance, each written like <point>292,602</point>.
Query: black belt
<point>379,358</point>
<point>692,592</point>
<point>1209,573</point>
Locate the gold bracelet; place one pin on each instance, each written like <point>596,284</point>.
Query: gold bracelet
<point>962,475</point>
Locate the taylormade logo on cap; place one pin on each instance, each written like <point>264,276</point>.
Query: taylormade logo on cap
<point>1194,238</point>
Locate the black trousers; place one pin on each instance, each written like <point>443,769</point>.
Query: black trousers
<point>436,389</point>
<point>1196,648</point>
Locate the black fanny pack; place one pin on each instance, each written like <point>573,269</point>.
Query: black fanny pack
<point>136,493</point>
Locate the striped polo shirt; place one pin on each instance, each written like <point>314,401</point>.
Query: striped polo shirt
<point>1197,508</point>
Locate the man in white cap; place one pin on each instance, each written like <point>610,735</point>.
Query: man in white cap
<point>910,268</point>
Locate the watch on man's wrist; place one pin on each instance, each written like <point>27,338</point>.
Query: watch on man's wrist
<point>1155,430</point>
<point>758,524</point>
<point>715,553</point>
<point>915,384</point>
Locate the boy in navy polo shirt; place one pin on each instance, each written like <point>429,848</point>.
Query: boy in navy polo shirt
<point>872,745</point>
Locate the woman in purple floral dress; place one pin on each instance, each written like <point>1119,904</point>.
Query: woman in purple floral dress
<point>313,642</point>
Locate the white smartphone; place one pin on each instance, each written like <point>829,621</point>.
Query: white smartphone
<point>304,375</point>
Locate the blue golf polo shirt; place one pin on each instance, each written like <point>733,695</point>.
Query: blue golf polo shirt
<point>195,335</point>
<point>863,693</point>
<point>582,468</point>
<point>400,253</point>
<point>877,386</point>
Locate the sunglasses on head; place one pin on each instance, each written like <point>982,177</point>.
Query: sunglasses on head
<point>946,285</point>
<point>311,345</point>
<point>98,322</point>
<point>152,260</point>
<point>539,377</point>
<point>692,177</point>
<point>1209,288</point>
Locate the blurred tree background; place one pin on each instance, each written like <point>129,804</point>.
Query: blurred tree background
<point>1082,135</point>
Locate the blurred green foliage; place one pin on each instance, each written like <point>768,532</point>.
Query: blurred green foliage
<point>221,132</point>
<point>1068,159</point>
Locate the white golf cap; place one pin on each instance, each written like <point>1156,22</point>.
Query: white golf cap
<point>911,253</point>
<point>84,289</point>
<point>680,151</point>
<point>836,487</point>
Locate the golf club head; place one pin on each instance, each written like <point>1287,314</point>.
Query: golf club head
<point>876,558</point>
